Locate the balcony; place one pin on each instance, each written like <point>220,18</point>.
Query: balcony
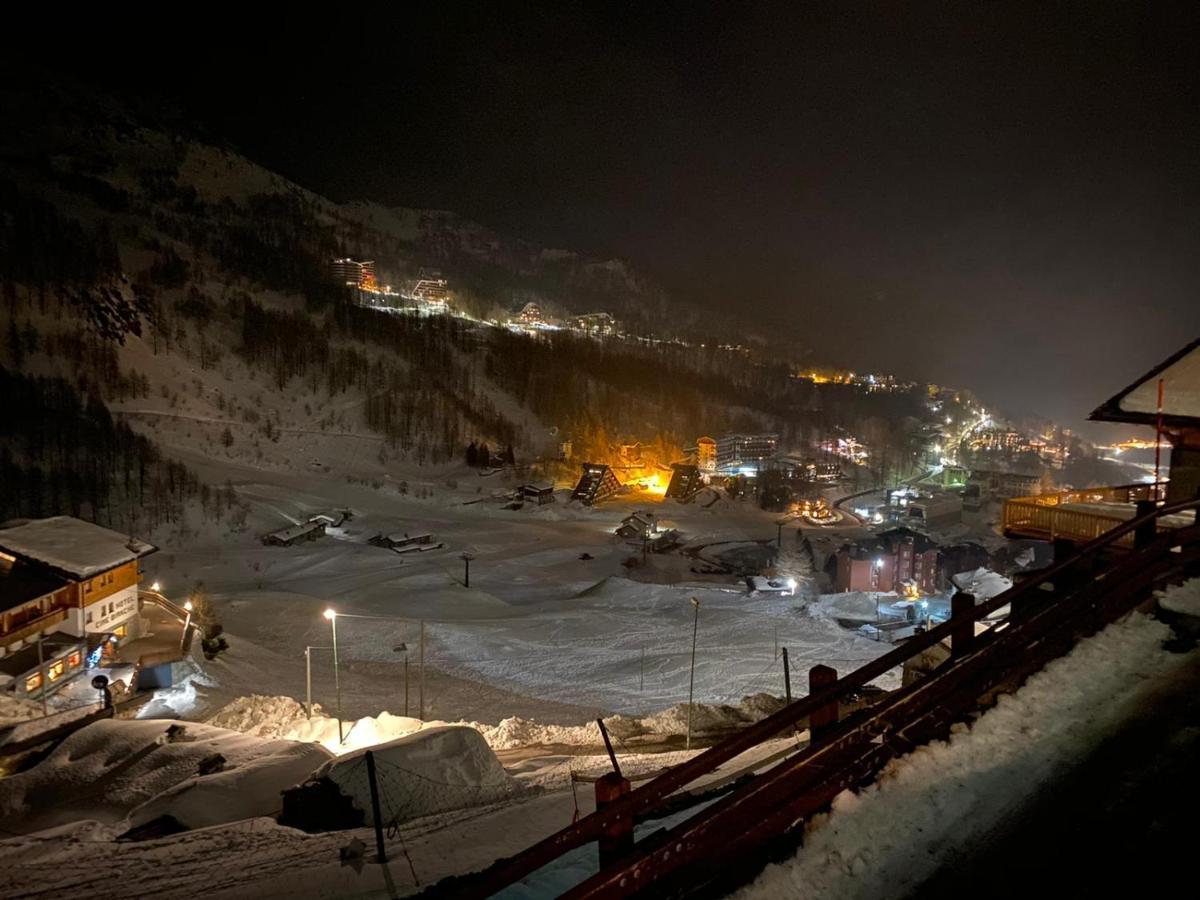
<point>31,627</point>
<point>1084,515</point>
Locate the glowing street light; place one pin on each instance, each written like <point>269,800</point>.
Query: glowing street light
<point>156,587</point>
<point>331,614</point>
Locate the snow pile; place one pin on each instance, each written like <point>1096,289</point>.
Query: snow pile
<point>283,717</point>
<point>934,803</point>
<point>114,770</point>
<point>518,732</point>
<point>856,606</point>
<point>436,770</point>
<point>1183,599</point>
<point>708,717</point>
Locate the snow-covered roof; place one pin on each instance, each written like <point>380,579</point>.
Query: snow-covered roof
<point>1138,403</point>
<point>78,548</point>
<point>982,583</point>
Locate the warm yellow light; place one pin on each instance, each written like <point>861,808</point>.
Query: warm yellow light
<point>188,605</point>
<point>330,614</point>
<point>156,587</point>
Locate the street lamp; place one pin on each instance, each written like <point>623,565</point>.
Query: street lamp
<point>156,587</point>
<point>692,676</point>
<point>331,615</point>
<point>403,648</point>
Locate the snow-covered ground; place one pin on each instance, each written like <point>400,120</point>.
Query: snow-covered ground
<point>538,621</point>
<point>931,805</point>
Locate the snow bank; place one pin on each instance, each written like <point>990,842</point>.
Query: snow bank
<point>114,769</point>
<point>436,770</point>
<point>283,717</point>
<point>1183,599</point>
<point>932,804</point>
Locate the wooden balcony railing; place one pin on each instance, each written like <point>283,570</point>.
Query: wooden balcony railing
<point>33,626</point>
<point>1046,517</point>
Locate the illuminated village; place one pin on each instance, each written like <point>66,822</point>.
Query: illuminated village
<point>586,452</point>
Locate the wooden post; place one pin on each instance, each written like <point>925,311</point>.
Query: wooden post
<point>962,613</point>
<point>616,840</point>
<point>821,720</point>
<point>787,676</point>
<point>373,783</point>
<point>42,674</point>
<point>608,746</point>
<point>1143,534</point>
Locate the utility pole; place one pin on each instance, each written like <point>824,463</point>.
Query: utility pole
<point>403,648</point>
<point>642,671</point>
<point>421,675</point>
<point>692,676</point>
<point>308,682</point>
<point>787,677</point>
<point>331,615</point>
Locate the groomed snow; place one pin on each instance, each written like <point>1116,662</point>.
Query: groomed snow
<point>932,804</point>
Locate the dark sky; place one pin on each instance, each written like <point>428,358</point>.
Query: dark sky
<point>997,196</point>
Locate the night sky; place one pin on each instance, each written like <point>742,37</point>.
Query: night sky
<point>996,196</point>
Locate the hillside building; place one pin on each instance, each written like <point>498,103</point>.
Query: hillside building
<point>70,583</point>
<point>355,273</point>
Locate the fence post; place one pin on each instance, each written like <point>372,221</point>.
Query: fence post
<point>616,840</point>
<point>1145,533</point>
<point>375,813</point>
<point>962,614</point>
<point>822,720</point>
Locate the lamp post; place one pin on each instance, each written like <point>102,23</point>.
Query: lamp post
<point>403,648</point>
<point>331,615</point>
<point>692,676</point>
<point>187,623</point>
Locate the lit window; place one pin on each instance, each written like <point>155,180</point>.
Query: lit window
<point>121,630</point>
<point>75,659</point>
<point>33,682</point>
<point>56,670</point>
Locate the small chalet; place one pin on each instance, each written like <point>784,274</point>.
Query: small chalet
<point>540,493</point>
<point>70,585</point>
<point>295,534</point>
